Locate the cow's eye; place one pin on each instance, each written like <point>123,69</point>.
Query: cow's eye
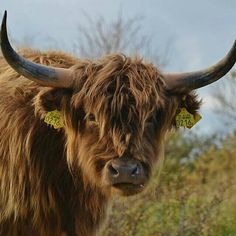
<point>91,119</point>
<point>149,120</point>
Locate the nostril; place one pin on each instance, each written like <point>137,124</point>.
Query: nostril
<point>135,171</point>
<point>113,171</point>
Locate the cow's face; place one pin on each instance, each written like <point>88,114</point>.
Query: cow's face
<point>115,119</point>
<point>122,119</point>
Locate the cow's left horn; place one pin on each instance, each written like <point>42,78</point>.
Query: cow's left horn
<point>44,75</point>
<point>184,82</point>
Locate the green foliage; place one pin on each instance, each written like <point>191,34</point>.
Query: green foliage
<point>193,195</point>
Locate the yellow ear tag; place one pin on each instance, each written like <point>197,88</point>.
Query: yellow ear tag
<point>197,117</point>
<point>54,118</point>
<point>186,119</point>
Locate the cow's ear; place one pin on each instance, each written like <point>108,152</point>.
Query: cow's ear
<point>191,102</point>
<point>49,99</point>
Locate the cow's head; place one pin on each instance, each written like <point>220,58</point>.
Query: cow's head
<point>116,111</point>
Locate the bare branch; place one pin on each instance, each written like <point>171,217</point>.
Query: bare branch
<point>225,96</point>
<point>100,37</point>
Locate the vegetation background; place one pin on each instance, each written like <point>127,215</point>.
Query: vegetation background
<point>193,195</point>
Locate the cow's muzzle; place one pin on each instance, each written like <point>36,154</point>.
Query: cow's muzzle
<point>126,175</point>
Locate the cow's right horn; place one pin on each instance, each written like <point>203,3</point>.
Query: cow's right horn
<point>43,75</point>
<point>185,82</point>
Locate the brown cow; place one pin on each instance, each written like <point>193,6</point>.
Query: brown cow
<point>115,113</point>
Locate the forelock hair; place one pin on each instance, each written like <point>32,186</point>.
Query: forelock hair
<point>124,92</point>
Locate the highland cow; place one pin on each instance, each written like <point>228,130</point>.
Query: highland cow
<point>114,112</point>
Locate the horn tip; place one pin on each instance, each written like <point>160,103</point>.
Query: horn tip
<point>4,19</point>
<point>3,29</point>
<point>5,15</point>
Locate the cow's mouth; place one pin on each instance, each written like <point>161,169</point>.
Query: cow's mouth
<point>128,185</point>
<point>128,188</point>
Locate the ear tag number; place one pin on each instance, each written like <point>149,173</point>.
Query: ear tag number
<point>186,119</point>
<point>54,119</point>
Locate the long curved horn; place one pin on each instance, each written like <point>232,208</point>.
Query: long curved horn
<point>43,75</point>
<point>184,82</point>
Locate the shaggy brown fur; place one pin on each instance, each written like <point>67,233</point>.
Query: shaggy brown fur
<point>52,181</point>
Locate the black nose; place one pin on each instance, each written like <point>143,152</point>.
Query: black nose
<point>125,171</point>
<point>117,170</point>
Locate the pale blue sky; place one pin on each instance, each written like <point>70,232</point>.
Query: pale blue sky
<point>201,32</point>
